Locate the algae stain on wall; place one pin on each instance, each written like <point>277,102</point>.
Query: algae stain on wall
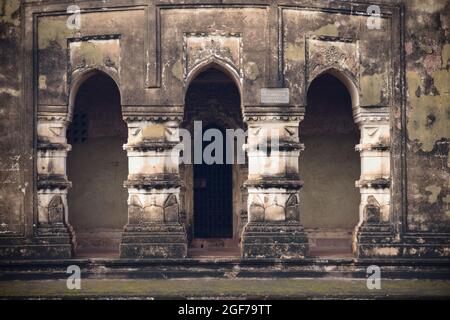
<point>434,193</point>
<point>429,116</point>
<point>371,89</point>
<point>328,30</point>
<point>295,52</point>
<point>9,9</point>
<point>91,53</point>
<point>177,70</point>
<point>445,55</point>
<point>53,29</point>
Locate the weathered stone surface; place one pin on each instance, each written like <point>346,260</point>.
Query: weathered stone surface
<point>163,240</point>
<point>397,76</point>
<point>282,240</point>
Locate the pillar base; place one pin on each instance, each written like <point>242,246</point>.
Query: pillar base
<point>382,244</point>
<point>154,241</point>
<point>281,240</point>
<point>53,242</point>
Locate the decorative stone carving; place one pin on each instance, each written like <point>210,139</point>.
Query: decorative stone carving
<point>199,47</point>
<point>331,52</point>
<point>256,210</point>
<point>135,210</point>
<point>372,211</point>
<point>171,209</point>
<point>292,208</point>
<point>154,213</point>
<point>56,210</point>
<point>275,212</point>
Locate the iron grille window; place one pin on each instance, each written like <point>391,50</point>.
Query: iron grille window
<point>78,129</point>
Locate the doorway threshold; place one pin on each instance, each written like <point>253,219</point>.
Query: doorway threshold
<point>213,252</point>
<point>88,254</point>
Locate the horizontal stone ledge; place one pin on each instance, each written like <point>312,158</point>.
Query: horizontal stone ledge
<point>156,181</point>
<point>275,182</point>
<point>372,107</point>
<point>52,181</point>
<point>260,117</point>
<point>281,146</point>
<point>51,146</point>
<point>375,228</point>
<point>274,108</point>
<point>372,147</point>
<point>153,118</point>
<point>376,183</point>
<point>153,113</point>
<point>371,117</point>
<point>51,109</point>
<point>426,238</point>
<point>150,146</point>
<point>152,227</point>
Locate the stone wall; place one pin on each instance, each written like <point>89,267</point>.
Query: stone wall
<point>397,76</point>
<point>16,162</point>
<point>427,54</point>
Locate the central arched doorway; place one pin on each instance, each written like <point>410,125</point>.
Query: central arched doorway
<point>212,197</point>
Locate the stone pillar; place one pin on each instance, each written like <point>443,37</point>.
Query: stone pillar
<point>375,227</point>
<point>54,234</point>
<point>273,229</point>
<point>154,229</point>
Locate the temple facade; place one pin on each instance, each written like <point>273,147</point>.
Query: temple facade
<point>103,101</point>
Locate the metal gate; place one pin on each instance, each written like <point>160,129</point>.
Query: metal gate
<point>213,190</point>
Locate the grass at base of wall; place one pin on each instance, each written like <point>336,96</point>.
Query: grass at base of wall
<point>226,288</point>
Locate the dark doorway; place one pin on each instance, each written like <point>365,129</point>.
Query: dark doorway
<point>97,166</point>
<point>329,167</point>
<point>213,216</point>
<point>212,198</point>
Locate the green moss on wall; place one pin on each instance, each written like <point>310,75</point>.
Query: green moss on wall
<point>328,30</point>
<point>371,89</point>
<point>53,29</point>
<point>429,116</point>
<point>295,52</point>
<point>9,15</point>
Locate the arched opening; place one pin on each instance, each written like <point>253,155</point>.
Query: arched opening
<point>212,197</point>
<point>329,167</point>
<point>97,166</point>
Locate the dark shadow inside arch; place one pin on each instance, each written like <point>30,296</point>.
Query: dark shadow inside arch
<point>212,197</point>
<point>97,166</point>
<point>329,167</point>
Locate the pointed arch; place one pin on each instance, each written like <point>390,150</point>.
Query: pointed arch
<point>81,76</point>
<point>348,82</point>
<point>329,199</point>
<point>213,63</point>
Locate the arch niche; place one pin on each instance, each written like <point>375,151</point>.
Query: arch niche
<point>97,165</point>
<point>213,197</point>
<point>330,165</point>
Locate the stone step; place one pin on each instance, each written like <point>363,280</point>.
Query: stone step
<point>228,268</point>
